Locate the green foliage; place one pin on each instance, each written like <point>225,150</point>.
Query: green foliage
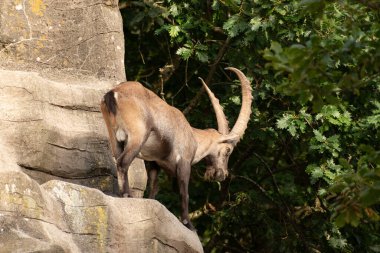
<point>306,176</point>
<point>356,193</point>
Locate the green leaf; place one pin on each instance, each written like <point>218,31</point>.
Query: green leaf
<point>370,195</point>
<point>315,171</point>
<point>340,220</point>
<point>322,192</point>
<point>174,31</point>
<point>329,175</point>
<point>276,47</point>
<point>235,25</point>
<point>283,122</point>
<point>338,243</point>
<point>255,23</point>
<point>185,52</point>
<point>201,56</point>
<point>292,130</point>
<point>318,136</point>
<point>174,10</point>
<point>236,100</point>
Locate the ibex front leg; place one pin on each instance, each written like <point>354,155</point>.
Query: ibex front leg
<point>183,177</point>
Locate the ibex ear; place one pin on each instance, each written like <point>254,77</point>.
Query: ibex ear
<point>230,138</point>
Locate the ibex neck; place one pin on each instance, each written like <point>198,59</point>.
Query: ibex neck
<point>205,139</point>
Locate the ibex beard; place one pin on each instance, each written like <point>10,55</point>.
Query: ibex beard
<point>140,124</point>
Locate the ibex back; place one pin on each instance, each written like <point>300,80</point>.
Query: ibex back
<point>142,125</point>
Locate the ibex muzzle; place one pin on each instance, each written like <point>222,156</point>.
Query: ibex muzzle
<point>140,124</point>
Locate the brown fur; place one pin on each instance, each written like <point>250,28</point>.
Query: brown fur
<point>147,127</point>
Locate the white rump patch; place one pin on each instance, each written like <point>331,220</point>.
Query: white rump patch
<point>120,135</point>
<point>116,95</point>
<point>178,157</point>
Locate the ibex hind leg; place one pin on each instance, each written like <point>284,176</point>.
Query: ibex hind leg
<point>116,146</point>
<point>122,183</point>
<point>153,170</point>
<point>131,150</point>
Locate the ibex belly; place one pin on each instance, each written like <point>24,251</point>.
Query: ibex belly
<point>156,148</point>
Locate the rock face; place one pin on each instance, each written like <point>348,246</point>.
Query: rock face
<point>55,128</point>
<point>85,36</point>
<point>64,217</point>
<point>57,59</point>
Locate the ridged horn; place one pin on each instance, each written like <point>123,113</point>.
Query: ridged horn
<point>220,116</point>
<point>245,111</point>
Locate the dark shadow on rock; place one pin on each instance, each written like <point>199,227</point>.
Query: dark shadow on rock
<point>84,160</point>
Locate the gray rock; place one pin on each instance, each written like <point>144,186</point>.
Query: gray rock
<point>64,217</point>
<point>84,36</point>
<point>57,59</point>
<point>55,128</point>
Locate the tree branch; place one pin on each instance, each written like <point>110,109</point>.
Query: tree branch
<point>263,191</point>
<point>266,165</point>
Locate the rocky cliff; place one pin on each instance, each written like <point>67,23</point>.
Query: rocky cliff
<point>57,180</point>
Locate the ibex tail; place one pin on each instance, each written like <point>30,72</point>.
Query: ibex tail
<point>110,101</point>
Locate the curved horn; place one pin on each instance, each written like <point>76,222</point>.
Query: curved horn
<point>220,116</point>
<point>245,111</point>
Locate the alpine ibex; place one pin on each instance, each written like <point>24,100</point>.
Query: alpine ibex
<point>140,124</point>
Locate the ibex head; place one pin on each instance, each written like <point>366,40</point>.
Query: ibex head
<point>224,139</point>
